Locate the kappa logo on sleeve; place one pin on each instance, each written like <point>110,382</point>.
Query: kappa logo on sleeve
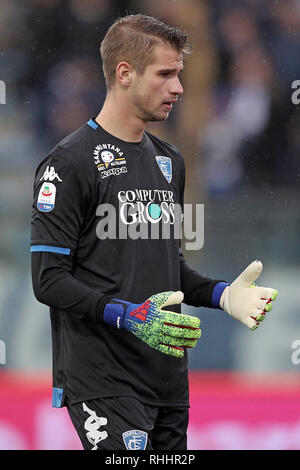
<point>46,198</point>
<point>50,175</point>
<point>165,166</point>
<point>135,439</point>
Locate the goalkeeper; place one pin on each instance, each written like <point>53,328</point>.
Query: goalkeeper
<point>119,340</point>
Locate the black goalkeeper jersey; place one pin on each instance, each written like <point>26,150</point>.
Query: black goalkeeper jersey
<point>92,195</point>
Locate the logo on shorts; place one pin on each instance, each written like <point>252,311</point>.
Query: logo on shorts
<point>135,439</point>
<point>92,425</point>
<point>46,198</point>
<point>165,166</point>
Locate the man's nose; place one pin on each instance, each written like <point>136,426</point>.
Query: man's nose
<point>177,88</point>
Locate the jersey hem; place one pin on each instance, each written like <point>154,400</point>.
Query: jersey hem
<point>157,403</point>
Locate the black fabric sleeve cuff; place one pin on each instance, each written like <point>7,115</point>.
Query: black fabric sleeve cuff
<point>199,291</point>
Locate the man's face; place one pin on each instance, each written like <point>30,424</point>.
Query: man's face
<point>154,93</point>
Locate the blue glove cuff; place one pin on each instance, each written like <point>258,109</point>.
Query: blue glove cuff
<point>217,293</point>
<point>113,314</point>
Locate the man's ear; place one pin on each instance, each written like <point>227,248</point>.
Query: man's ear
<point>124,72</point>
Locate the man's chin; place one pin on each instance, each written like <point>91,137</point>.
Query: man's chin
<point>158,117</point>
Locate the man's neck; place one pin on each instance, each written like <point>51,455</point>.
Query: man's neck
<point>118,120</point>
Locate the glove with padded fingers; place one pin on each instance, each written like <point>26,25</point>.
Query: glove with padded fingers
<point>166,331</point>
<point>245,301</point>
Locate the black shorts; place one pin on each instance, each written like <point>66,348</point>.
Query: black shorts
<point>122,423</point>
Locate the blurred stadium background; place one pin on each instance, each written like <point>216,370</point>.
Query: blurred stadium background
<point>239,132</point>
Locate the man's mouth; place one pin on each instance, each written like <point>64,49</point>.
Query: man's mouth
<point>169,104</point>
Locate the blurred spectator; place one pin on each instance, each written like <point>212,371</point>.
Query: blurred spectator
<point>242,112</point>
<point>15,54</point>
<point>285,44</point>
<point>65,67</point>
<point>237,29</point>
<point>72,93</point>
<point>248,139</point>
<point>45,27</point>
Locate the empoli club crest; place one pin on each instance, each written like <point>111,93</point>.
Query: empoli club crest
<point>165,166</point>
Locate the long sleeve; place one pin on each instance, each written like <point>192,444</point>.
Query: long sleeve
<point>55,286</point>
<point>199,291</point>
<point>60,209</point>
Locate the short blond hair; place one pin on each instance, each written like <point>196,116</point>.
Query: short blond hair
<point>132,39</point>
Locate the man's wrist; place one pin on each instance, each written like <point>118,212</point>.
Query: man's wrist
<point>217,294</point>
<point>114,312</point>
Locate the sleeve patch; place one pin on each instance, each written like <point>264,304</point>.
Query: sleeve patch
<point>46,198</point>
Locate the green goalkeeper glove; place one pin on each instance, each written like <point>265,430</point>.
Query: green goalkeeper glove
<point>245,301</point>
<point>168,332</point>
